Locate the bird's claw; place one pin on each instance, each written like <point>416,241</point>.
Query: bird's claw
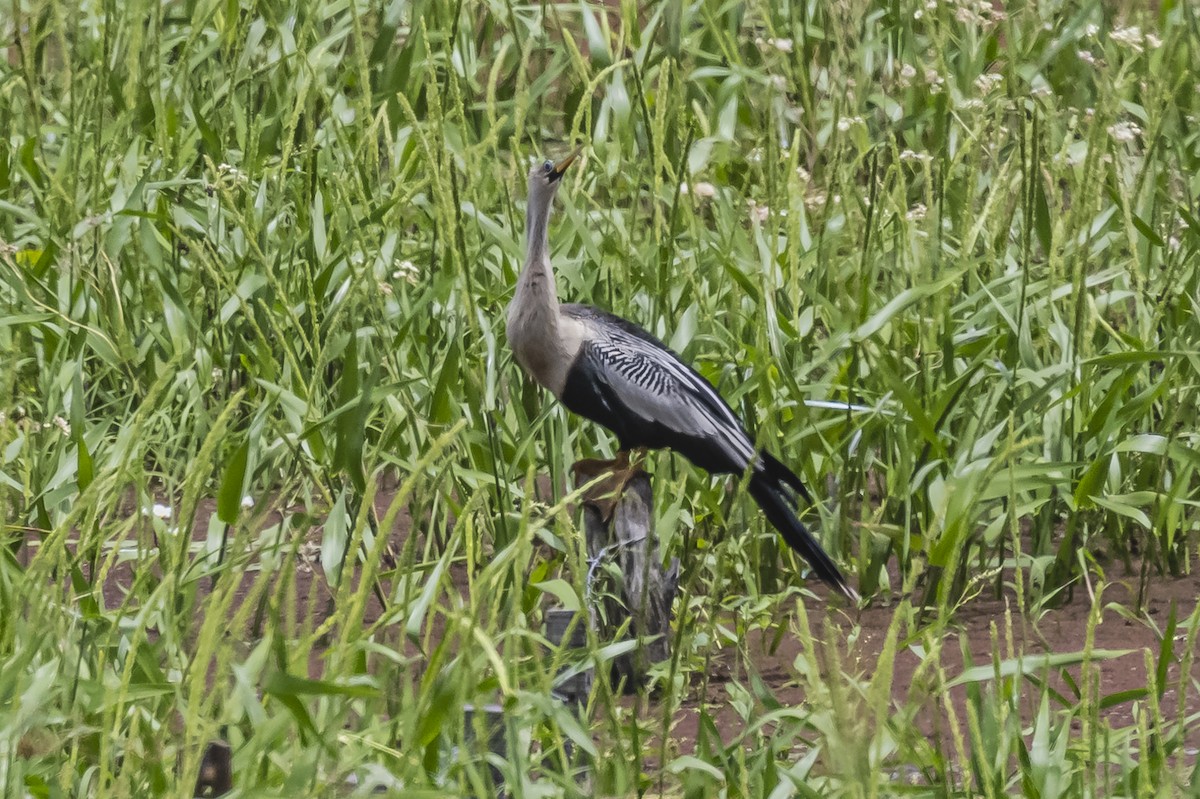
<point>617,474</point>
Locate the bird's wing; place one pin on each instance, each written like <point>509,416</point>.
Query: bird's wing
<point>654,385</point>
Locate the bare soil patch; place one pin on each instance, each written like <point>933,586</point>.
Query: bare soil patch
<point>859,637</point>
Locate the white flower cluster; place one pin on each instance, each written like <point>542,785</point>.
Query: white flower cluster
<point>934,80</point>
<point>782,45</point>
<point>406,270</point>
<point>703,190</point>
<point>980,12</point>
<point>1133,38</point>
<point>232,172</point>
<point>158,511</point>
<point>845,123</point>
<point>816,200</point>
<point>1124,132</point>
<point>986,82</point>
<point>20,415</point>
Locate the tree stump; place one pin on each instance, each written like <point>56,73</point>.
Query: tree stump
<point>575,688</point>
<point>491,719</point>
<point>640,590</point>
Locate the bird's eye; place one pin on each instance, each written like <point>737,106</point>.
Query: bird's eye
<point>548,167</point>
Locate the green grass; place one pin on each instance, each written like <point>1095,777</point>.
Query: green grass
<point>948,270</point>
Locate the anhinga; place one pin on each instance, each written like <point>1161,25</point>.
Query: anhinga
<point>612,372</point>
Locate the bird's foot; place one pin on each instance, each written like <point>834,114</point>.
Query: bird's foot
<point>617,473</point>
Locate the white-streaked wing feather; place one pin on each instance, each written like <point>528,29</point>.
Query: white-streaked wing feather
<point>653,383</point>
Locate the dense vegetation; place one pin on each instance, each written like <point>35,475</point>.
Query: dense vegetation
<point>254,258</point>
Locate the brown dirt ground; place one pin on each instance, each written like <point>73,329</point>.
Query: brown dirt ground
<point>860,635</point>
<point>859,639</point>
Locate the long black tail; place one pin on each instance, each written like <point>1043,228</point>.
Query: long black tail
<point>777,471</point>
<point>767,490</point>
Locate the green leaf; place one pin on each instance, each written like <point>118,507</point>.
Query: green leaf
<point>431,721</point>
<point>1147,231</point>
<point>1031,664</point>
<point>282,684</point>
<point>1124,509</point>
<point>86,470</point>
<point>1041,214</point>
<point>350,428</point>
<point>615,650</point>
<point>1121,697</point>
<point>563,591</point>
<point>300,713</point>
<point>1139,356</point>
<point>30,319</point>
<point>418,609</point>
<point>570,726</point>
<point>442,404</point>
<point>912,406</point>
<point>86,596</point>
<point>690,763</point>
<point>320,243</point>
<point>334,538</point>
<point>1149,443</point>
<point>1092,480</point>
<point>685,328</point>
<point>897,304</point>
<point>233,483</point>
<point>1166,652</point>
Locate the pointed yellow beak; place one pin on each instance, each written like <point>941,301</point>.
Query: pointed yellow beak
<point>562,165</point>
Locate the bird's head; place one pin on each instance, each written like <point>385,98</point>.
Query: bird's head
<point>544,178</point>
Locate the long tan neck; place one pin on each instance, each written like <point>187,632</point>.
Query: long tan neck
<point>544,342</point>
<point>536,291</point>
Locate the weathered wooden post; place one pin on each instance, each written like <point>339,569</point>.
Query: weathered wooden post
<point>636,596</point>
<point>490,718</point>
<point>640,591</point>
<point>574,689</point>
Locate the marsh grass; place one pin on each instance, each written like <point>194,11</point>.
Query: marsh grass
<point>941,257</point>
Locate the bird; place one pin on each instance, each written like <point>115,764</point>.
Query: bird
<point>612,372</point>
